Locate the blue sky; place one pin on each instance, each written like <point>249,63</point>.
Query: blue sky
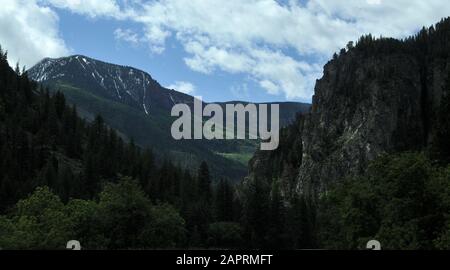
<point>253,50</point>
<point>95,38</point>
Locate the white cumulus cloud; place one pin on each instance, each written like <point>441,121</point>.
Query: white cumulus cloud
<point>183,87</point>
<point>29,32</point>
<point>127,35</point>
<point>254,37</point>
<point>91,8</point>
<point>281,45</point>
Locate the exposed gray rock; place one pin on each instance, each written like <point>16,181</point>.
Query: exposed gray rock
<point>372,99</point>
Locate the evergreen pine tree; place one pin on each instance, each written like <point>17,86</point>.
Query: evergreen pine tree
<point>276,232</point>
<point>224,201</point>
<point>256,210</point>
<point>204,183</point>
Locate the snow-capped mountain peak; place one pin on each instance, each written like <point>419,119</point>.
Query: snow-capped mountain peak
<point>121,83</point>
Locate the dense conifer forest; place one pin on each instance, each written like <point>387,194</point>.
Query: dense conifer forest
<point>63,178</point>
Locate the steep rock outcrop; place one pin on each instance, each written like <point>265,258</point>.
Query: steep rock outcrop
<point>362,108</point>
<point>380,96</point>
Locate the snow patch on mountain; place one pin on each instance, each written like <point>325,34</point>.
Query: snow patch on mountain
<point>129,85</point>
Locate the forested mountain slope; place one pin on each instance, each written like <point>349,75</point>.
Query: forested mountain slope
<point>64,178</point>
<point>377,97</point>
<point>138,107</point>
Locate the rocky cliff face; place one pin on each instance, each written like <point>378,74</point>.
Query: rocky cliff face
<point>362,108</point>
<point>377,97</point>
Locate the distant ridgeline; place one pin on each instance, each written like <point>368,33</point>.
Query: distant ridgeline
<point>138,107</point>
<point>369,162</point>
<point>377,97</point>
<point>65,178</point>
<point>62,178</point>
